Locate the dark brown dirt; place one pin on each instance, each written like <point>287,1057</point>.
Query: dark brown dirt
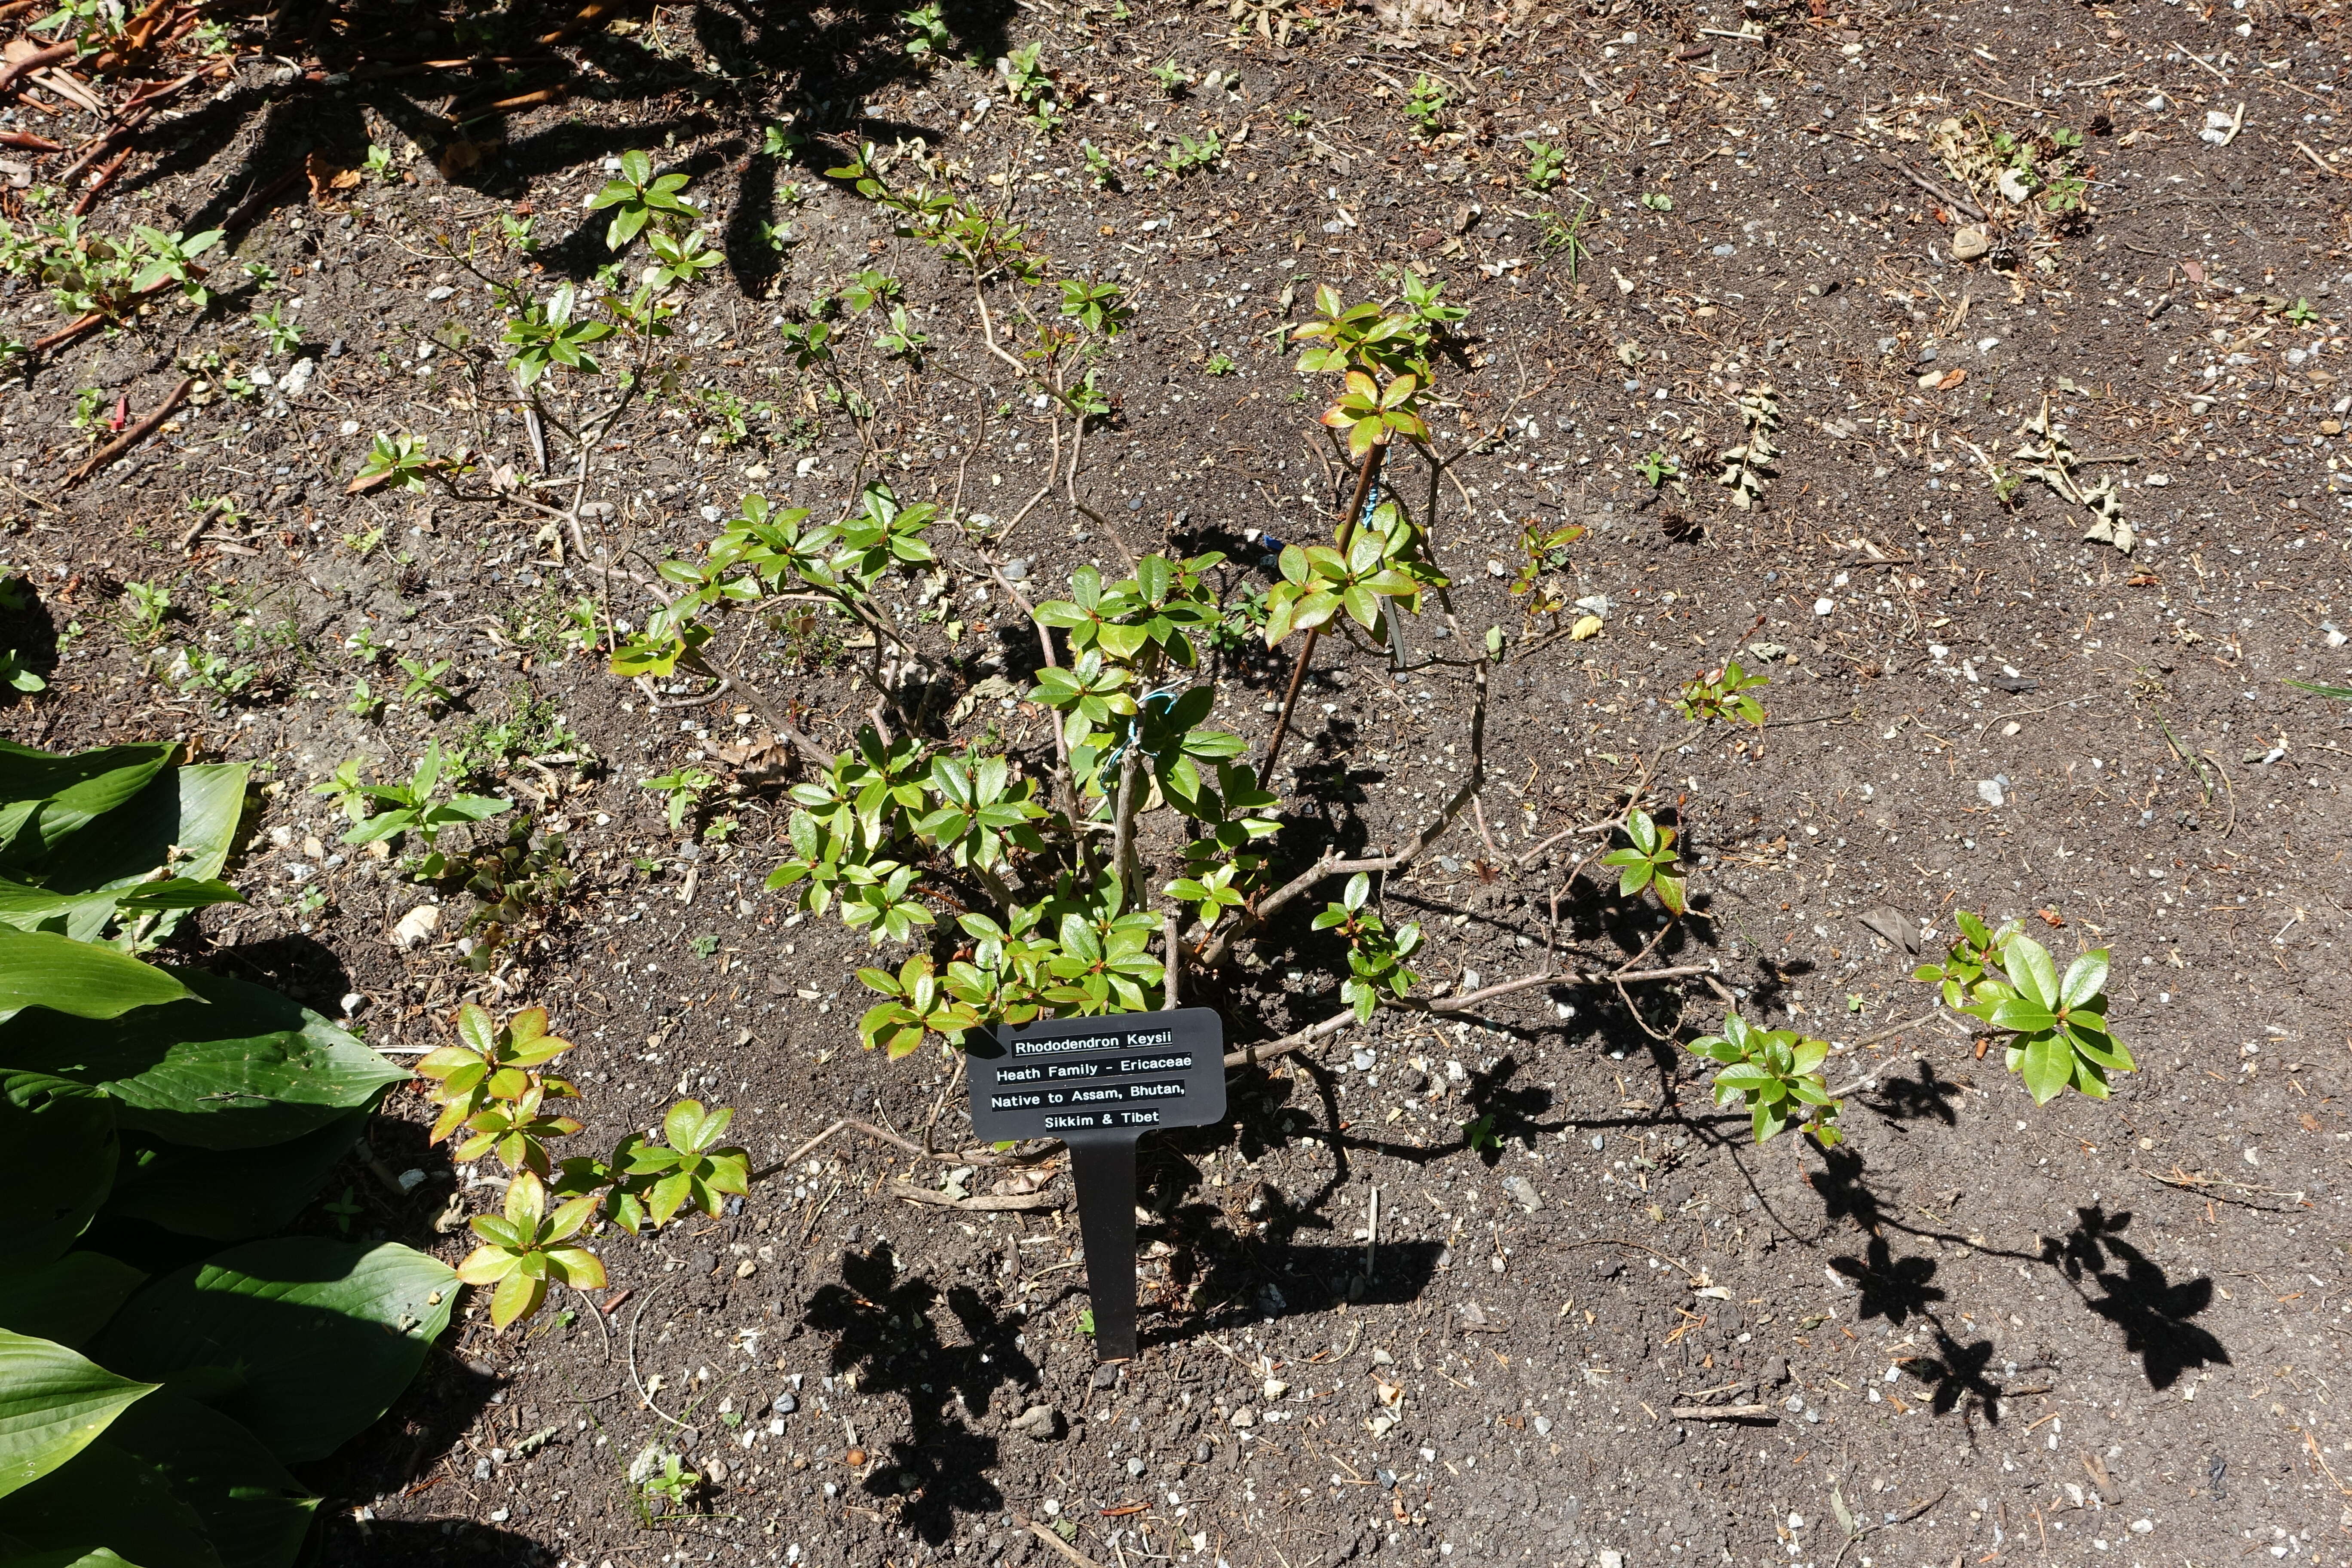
<point>1997,1332</point>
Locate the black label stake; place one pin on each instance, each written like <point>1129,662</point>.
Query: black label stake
<point>1102,1169</point>
<point>1099,1084</point>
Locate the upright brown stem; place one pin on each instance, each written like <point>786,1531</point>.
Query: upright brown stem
<point>1365,475</point>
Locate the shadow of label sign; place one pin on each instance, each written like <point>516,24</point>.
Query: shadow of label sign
<point>1100,1084</point>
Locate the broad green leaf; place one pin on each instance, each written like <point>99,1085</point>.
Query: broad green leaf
<point>71,1557</point>
<point>48,798</point>
<point>40,969</point>
<point>235,1067</point>
<point>2104,1050</point>
<point>2017,1013</point>
<point>1743,1077</point>
<point>186,818</point>
<point>61,1144</point>
<point>2027,964</point>
<point>53,1404</point>
<point>69,1300</point>
<point>302,1339</point>
<point>108,1500</point>
<point>2047,1067</point>
<point>254,1514</point>
<point>232,1194</point>
<point>2084,976</point>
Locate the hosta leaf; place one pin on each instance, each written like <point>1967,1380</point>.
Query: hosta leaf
<point>54,1402</point>
<point>85,980</point>
<point>303,1339</point>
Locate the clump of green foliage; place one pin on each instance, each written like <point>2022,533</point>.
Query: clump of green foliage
<point>2052,1028</point>
<point>1724,692</point>
<point>492,1089</point>
<point>160,1164</point>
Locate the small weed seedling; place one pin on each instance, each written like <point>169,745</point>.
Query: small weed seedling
<point>409,807</point>
<point>1648,862</point>
<point>1192,153</point>
<point>931,38</point>
<point>149,604</point>
<point>659,1477</point>
<point>682,792</point>
<point>1658,467</point>
<point>1658,201</point>
<point>1546,165</point>
<point>1172,77</point>
<point>282,335</point>
<point>1031,85</point>
<point>424,688</point>
<point>1219,364</point>
<point>1566,235</point>
<point>1425,105</point>
<point>1722,693</point>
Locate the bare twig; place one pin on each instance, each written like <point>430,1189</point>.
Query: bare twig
<point>1870,1078</point>
<point>979,1203</point>
<point>1172,989</point>
<point>1313,1033</point>
<point>38,59</point>
<point>1330,865</point>
<point>1056,1543</point>
<point>130,437</point>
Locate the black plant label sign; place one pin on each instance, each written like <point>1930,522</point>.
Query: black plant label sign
<point>1100,1084</point>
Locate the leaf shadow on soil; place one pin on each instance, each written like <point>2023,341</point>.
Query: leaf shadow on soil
<point>880,1323</point>
<point>772,58</point>
<point>2137,1296</point>
<point>2115,1279</point>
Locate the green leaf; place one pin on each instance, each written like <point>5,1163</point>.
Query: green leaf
<point>2047,1067</point>
<point>2028,965</point>
<point>232,1194</point>
<point>305,1340</point>
<point>235,1067</point>
<point>110,1496</point>
<point>40,969</point>
<point>61,1142</point>
<point>50,796</point>
<point>187,818</point>
<point>2085,977</point>
<point>253,1513</point>
<point>69,1300</point>
<point>53,1404</point>
<point>2024,1017</point>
